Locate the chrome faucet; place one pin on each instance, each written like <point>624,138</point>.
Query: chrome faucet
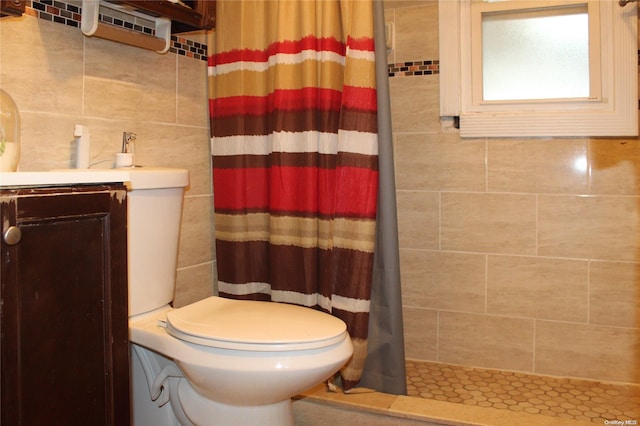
<point>128,139</point>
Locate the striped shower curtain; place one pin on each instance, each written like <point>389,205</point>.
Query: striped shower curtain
<point>294,140</point>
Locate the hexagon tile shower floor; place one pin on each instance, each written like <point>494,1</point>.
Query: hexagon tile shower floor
<point>558,397</point>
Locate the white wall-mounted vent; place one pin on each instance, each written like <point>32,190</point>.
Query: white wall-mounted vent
<point>146,31</point>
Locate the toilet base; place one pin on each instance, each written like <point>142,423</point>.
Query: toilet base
<point>201,411</point>
<point>186,407</point>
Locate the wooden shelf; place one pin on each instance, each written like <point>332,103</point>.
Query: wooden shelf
<point>199,15</point>
<point>14,7</point>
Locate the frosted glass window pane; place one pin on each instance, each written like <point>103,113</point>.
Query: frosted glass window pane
<point>538,54</point>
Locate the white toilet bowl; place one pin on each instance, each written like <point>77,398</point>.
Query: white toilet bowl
<point>217,361</point>
<point>233,362</point>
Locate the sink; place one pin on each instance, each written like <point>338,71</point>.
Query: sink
<point>63,177</point>
<point>133,177</point>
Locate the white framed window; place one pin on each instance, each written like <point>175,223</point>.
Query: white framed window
<point>539,68</point>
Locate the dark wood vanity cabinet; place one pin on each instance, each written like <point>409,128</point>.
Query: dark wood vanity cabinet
<point>63,306</point>
<point>12,7</point>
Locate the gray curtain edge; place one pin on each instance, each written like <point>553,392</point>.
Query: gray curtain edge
<point>384,368</point>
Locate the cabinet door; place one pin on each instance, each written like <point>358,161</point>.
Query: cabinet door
<point>64,347</point>
<point>207,8</point>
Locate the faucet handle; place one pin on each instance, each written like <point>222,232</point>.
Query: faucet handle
<point>128,138</point>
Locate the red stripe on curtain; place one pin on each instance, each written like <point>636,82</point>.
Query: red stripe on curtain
<point>280,100</point>
<point>320,44</point>
<point>253,195</point>
<point>297,189</point>
<point>362,43</point>
<point>359,98</point>
<point>358,193</point>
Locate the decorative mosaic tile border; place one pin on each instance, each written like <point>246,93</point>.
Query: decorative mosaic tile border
<point>411,68</point>
<point>71,15</point>
<point>189,48</point>
<point>55,11</point>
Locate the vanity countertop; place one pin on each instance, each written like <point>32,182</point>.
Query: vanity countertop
<point>63,177</point>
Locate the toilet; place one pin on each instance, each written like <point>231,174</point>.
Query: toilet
<point>217,361</point>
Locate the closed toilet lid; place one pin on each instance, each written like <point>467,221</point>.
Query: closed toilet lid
<point>254,326</point>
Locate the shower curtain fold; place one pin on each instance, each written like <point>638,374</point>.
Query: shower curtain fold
<point>385,369</point>
<point>293,112</point>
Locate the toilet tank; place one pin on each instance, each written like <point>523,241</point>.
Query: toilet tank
<point>154,211</point>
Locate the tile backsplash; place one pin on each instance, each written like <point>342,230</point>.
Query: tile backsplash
<point>60,78</point>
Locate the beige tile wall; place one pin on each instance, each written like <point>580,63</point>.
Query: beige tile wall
<point>60,78</point>
<point>517,254</point>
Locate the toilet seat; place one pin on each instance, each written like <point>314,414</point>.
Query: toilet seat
<point>254,326</point>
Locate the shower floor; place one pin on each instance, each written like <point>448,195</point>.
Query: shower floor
<point>575,399</point>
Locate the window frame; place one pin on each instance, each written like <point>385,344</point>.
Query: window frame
<point>611,110</point>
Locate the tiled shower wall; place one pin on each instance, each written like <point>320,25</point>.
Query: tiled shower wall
<point>516,254</point>
<point>60,78</point>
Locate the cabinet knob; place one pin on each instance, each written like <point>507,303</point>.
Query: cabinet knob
<point>12,235</point>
